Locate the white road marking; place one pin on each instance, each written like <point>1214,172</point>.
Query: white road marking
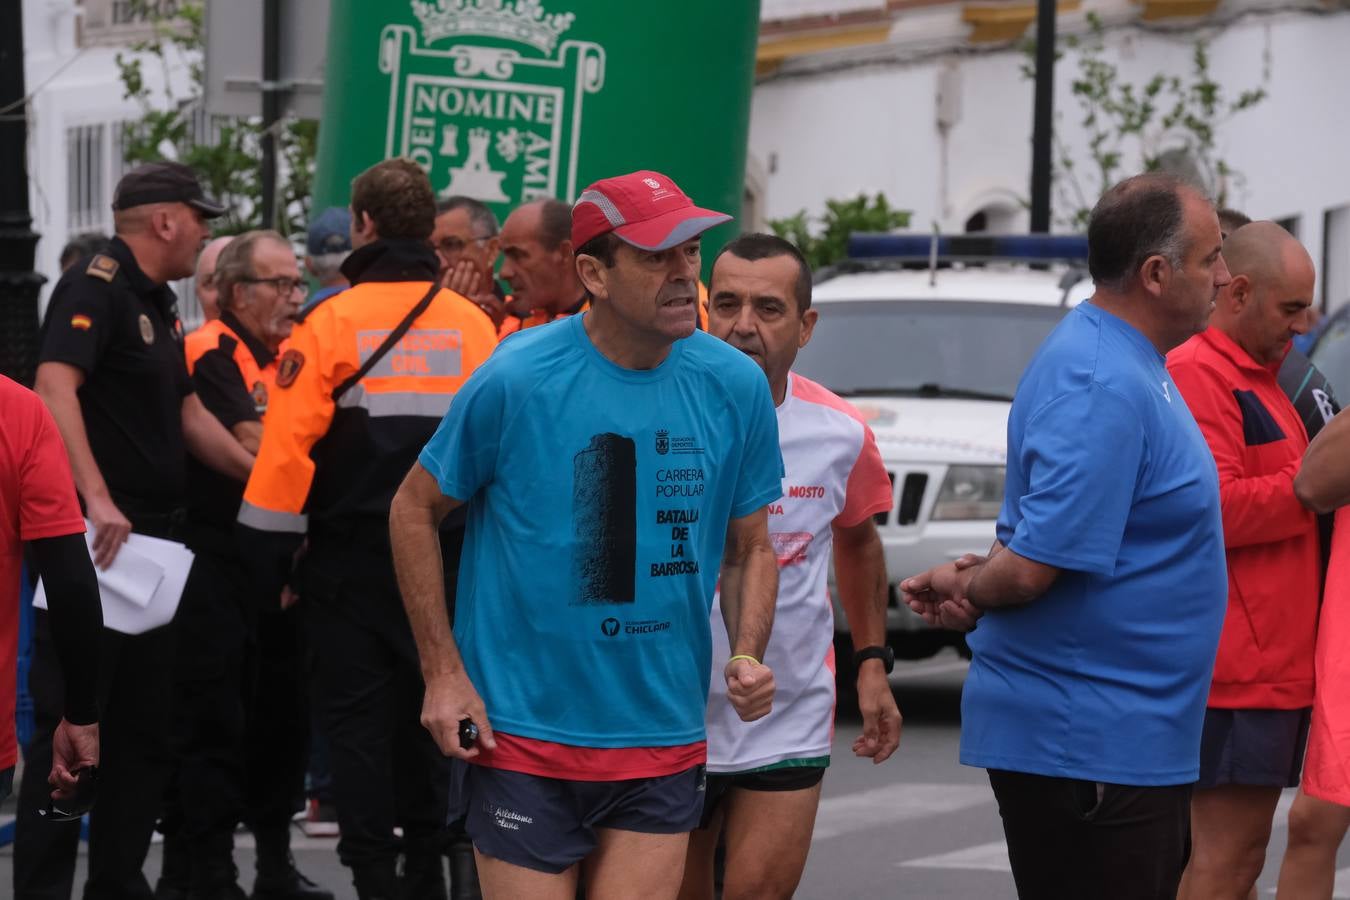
<point>929,668</point>
<point>991,857</point>
<point>1282,808</point>
<point>895,803</point>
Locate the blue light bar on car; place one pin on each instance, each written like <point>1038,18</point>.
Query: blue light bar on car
<point>1018,247</point>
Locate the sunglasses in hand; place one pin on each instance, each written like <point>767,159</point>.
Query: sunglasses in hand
<point>74,807</point>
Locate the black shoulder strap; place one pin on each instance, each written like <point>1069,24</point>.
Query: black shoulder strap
<point>388,344</point>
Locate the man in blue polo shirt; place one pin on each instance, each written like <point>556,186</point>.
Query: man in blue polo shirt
<point>608,460</point>
<point>1105,592</point>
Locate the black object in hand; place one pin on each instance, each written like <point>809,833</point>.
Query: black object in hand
<point>468,734</point>
<point>74,807</point>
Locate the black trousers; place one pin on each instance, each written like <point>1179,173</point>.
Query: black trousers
<point>239,720</point>
<point>276,748</point>
<point>1070,839</point>
<point>367,688</point>
<point>134,698</point>
<point>215,625</point>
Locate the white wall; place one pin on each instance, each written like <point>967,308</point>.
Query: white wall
<point>836,133</point>
<point>70,86</point>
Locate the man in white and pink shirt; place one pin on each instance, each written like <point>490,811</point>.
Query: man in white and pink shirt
<point>764,777</point>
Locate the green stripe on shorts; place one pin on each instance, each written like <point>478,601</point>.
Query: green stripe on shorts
<point>813,762</point>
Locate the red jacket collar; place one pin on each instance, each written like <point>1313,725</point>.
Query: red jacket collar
<point>1230,348</point>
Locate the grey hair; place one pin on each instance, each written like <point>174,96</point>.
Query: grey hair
<point>481,217</point>
<point>235,263</point>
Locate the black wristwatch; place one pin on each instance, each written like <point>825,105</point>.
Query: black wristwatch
<point>885,654</point>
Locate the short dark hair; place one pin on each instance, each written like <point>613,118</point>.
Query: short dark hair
<point>235,263</point>
<point>757,245</point>
<point>1230,220</point>
<point>82,245</point>
<point>481,216</point>
<point>397,196</point>
<point>1137,218</point>
<point>555,223</point>
<point>602,247</point>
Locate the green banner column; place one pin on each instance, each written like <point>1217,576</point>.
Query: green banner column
<point>513,100</point>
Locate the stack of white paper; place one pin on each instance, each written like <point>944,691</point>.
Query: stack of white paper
<point>143,586</point>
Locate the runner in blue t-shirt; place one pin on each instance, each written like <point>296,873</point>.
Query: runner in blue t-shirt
<point>1106,590</point>
<point>606,460</point>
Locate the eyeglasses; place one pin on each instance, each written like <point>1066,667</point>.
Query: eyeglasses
<point>452,245</point>
<point>74,807</point>
<point>284,286</point>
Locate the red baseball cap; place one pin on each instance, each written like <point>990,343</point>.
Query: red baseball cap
<point>645,209</point>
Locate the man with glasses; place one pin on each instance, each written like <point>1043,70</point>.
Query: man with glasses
<point>221,622</point>
<point>360,388</point>
<point>466,243</point>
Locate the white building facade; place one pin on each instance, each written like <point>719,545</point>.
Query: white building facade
<point>77,111</point>
<point>927,103</point>
<point>923,100</point>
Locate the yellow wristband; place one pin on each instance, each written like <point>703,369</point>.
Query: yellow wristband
<point>744,656</point>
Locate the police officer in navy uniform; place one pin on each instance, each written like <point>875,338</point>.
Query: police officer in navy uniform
<point>112,373</point>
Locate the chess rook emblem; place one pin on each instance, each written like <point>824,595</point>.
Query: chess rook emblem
<point>476,178</point>
<point>487,96</point>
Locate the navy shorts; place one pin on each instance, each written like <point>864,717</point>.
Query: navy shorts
<point>1258,747</point>
<point>550,824</point>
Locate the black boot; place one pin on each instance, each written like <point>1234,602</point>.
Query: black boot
<point>278,878</point>
<point>424,876</point>
<point>378,882</point>
<point>214,876</point>
<point>463,869</point>
<point>176,871</point>
<point>287,884</point>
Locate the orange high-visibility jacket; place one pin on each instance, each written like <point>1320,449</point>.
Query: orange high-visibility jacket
<point>218,335</point>
<point>323,462</point>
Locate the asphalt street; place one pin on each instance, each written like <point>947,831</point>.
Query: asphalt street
<point>920,825</point>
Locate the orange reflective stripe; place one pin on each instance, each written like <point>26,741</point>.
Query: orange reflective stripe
<point>202,341</point>
<point>207,338</point>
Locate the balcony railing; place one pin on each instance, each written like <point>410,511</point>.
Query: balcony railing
<point>108,22</point>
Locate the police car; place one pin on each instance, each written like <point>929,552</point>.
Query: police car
<point>927,337</point>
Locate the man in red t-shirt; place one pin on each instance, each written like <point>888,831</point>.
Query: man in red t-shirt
<point>38,506</point>
<point>1257,715</point>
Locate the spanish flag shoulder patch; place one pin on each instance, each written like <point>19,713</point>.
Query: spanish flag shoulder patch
<point>81,322</point>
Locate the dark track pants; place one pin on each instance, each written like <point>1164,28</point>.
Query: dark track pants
<point>1071,839</point>
<point>367,688</point>
<point>134,698</point>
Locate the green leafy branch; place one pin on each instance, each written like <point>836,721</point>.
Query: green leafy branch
<point>829,243</point>
<point>1123,120</point>
<point>224,152</point>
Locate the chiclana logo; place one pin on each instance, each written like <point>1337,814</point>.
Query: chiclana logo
<point>609,627</point>
<point>662,442</point>
<point>651,183</point>
<point>501,124</point>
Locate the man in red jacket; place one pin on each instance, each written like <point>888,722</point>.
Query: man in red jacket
<point>1256,723</point>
